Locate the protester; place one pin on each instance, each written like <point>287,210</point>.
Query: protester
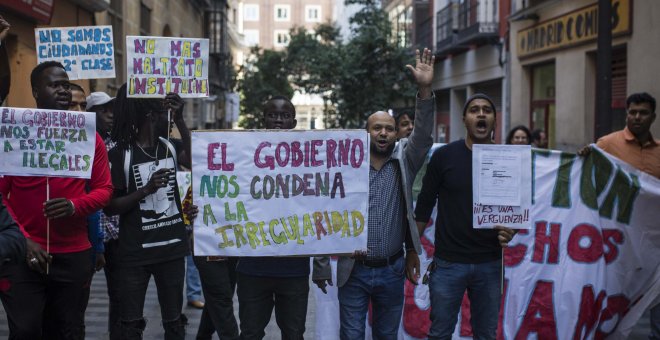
<point>539,139</point>
<point>52,283</point>
<point>5,72</point>
<point>152,234</point>
<point>519,135</point>
<point>405,122</point>
<point>12,241</point>
<point>218,277</point>
<point>636,146</point>
<point>465,258</point>
<point>378,276</point>
<point>101,104</point>
<point>280,282</point>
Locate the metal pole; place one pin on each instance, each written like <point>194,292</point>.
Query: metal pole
<point>604,70</point>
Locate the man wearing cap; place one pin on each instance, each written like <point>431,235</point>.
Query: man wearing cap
<point>465,258</point>
<point>101,103</point>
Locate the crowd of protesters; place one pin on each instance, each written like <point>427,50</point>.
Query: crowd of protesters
<point>102,223</point>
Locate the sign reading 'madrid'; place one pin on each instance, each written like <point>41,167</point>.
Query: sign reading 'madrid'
<point>577,27</point>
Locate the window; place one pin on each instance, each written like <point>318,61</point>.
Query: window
<point>281,38</point>
<point>313,13</point>
<point>282,12</point>
<point>145,19</point>
<point>251,12</point>
<point>251,37</point>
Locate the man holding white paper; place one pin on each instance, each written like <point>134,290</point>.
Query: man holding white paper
<point>465,258</point>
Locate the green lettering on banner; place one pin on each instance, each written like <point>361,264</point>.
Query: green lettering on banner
<point>252,230</point>
<point>208,213</point>
<point>295,227</point>
<point>240,211</point>
<point>226,242</point>
<point>264,240</point>
<point>623,192</point>
<point>357,216</point>
<point>8,146</point>
<point>228,214</point>
<point>308,229</point>
<point>279,238</point>
<point>561,195</point>
<point>208,186</point>
<point>596,172</point>
<point>238,235</point>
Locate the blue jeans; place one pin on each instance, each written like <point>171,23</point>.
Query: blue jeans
<point>193,284</point>
<point>447,286</point>
<point>384,287</point>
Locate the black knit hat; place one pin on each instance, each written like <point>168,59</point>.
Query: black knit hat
<point>479,96</point>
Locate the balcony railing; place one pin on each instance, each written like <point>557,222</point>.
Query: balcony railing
<point>477,17</point>
<point>460,25</point>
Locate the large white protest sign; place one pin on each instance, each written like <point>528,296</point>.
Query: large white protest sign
<point>280,193</point>
<point>589,266</point>
<point>159,65</point>
<point>38,142</point>
<point>501,185</point>
<point>87,52</point>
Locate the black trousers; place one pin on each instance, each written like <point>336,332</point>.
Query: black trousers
<point>218,286</point>
<point>111,270</point>
<point>29,296</point>
<point>258,295</point>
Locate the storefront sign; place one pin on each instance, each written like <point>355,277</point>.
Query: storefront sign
<point>577,27</point>
<point>40,10</point>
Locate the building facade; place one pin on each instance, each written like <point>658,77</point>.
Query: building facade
<point>267,24</point>
<point>470,50</point>
<point>24,17</point>
<point>553,65</point>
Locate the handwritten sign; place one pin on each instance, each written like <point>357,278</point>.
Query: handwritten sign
<point>38,142</point>
<point>280,193</point>
<point>87,52</point>
<point>501,185</point>
<point>159,65</point>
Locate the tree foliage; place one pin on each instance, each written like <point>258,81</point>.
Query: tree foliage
<point>355,79</point>
<point>264,76</point>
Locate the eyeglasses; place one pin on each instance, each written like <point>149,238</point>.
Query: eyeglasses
<point>280,115</point>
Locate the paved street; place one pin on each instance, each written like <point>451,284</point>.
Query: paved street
<point>97,314</point>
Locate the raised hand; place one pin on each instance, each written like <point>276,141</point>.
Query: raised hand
<point>423,70</point>
<point>4,28</point>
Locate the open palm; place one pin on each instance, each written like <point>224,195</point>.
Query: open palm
<point>423,70</point>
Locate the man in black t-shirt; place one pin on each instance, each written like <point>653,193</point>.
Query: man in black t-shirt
<point>152,234</point>
<point>465,258</point>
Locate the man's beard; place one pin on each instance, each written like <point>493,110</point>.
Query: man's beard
<point>374,149</point>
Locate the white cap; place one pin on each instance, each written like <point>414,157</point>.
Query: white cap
<point>98,98</point>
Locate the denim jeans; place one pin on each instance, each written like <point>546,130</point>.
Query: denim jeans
<point>447,286</point>
<point>193,284</point>
<point>258,295</point>
<point>169,288</point>
<point>383,286</point>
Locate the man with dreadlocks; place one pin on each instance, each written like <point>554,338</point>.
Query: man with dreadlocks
<point>152,234</point>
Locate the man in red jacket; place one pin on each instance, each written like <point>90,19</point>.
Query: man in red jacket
<point>52,283</point>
